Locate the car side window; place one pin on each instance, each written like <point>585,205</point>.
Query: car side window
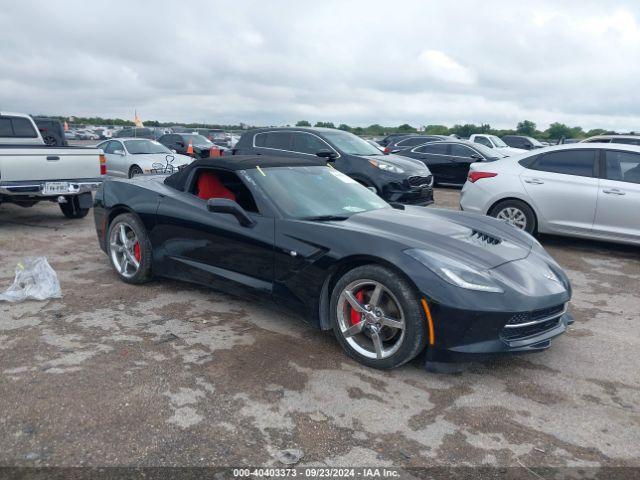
<point>5,127</point>
<point>461,150</point>
<point>483,141</point>
<point>598,140</point>
<point>411,142</point>
<point>626,141</point>
<point>568,162</point>
<point>110,147</point>
<point>434,148</point>
<point>23,128</point>
<point>277,140</point>
<point>307,143</point>
<point>211,183</point>
<point>622,166</point>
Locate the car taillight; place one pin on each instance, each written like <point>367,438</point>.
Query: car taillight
<point>475,176</point>
<point>386,150</point>
<point>103,165</point>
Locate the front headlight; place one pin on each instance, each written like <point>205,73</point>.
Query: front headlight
<point>455,272</point>
<point>387,167</point>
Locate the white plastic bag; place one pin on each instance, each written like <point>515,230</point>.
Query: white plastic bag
<point>34,279</point>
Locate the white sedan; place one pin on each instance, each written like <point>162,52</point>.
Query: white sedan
<point>589,190</point>
<point>127,157</point>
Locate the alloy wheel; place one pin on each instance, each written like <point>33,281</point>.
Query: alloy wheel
<point>514,216</point>
<point>371,319</point>
<point>125,249</point>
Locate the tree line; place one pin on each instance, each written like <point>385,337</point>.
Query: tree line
<point>526,127</point>
<point>555,131</point>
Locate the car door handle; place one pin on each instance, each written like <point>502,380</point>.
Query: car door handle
<point>534,181</point>
<point>53,158</point>
<point>612,191</point>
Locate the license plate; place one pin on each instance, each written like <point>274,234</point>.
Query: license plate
<point>55,187</point>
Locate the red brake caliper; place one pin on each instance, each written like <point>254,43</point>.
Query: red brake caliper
<point>355,316</point>
<point>136,251</point>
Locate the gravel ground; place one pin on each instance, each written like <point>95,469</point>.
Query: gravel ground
<point>173,374</point>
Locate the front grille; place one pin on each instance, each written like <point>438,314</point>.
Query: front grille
<point>419,181</point>
<point>527,324</point>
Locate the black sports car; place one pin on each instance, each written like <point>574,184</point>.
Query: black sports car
<point>391,281</point>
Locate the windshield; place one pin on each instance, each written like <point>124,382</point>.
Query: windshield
<point>350,143</point>
<point>534,142</point>
<point>138,147</point>
<point>196,139</point>
<point>308,192</point>
<point>497,141</point>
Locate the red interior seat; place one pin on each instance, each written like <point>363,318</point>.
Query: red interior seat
<point>209,186</point>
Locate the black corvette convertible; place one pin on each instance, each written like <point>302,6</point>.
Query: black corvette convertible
<point>390,280</point>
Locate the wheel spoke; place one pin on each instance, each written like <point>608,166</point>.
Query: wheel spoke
<point>354,329</point>
<point>376,295</point>
<point>118,248</point>
<point>353,301</point>
<point>377,343</point>
<point>123,235</point>
<point>390,322</point>
<point>131,259</point>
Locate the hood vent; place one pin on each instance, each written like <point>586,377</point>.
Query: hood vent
<point>480,237</point>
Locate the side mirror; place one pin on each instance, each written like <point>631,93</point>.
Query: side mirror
<point>330,155</point>
<point>224,205</point>
<point>119,152</point>
<point>476,157</point>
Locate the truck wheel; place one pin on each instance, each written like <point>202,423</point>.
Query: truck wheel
<point>50,140</point>
<point>72,209</point>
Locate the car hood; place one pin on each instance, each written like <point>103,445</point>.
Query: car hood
<point>510,151</point>
<point>482,242</point>
<point>162,157</point>
<point>405,163</point>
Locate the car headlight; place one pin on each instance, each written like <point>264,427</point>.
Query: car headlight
<point>387,167</point>
<point>454,272</point>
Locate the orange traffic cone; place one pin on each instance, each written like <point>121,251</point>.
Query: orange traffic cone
<point>214,152</point>
<point>190,148</point>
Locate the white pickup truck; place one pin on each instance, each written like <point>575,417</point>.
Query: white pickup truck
<point>493,141</point>
<point>31,172</point>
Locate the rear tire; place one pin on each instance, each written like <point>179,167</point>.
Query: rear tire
<point>517,213</point>
<point>394,321</point>
<point>130,254</point>
<point>135,170</point>
<point>72,209</point>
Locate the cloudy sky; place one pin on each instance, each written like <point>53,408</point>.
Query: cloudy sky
<point>346,61</point>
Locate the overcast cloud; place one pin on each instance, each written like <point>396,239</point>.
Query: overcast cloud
<point>356,62</point>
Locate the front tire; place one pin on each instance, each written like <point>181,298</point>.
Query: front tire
<point>72,209</point>
<point>376,317</point>
<point>129,249</point>
<point>517,213</point>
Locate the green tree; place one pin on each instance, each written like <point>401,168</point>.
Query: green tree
<point>436,130</point>
<point>406,128</point>
<point>526,127</point>
<point>558,130</point>
<point>468,129</point>
<point>302,123</point>
<point>345,127</point>
<point>325,124</point>
<point>375,129</point>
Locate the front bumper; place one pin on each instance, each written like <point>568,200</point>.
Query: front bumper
<point>420,194</point>
<point>471,335</point>
<point>36,188</point>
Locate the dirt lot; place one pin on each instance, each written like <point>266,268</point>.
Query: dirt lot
<point>173,374</point>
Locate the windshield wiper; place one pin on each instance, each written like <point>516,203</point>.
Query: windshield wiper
<point>325,218</point>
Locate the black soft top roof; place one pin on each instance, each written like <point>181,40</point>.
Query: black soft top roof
<point>239,162</point>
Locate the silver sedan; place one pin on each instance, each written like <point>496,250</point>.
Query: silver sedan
<point>127,157</point>
<point>589,190</point>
